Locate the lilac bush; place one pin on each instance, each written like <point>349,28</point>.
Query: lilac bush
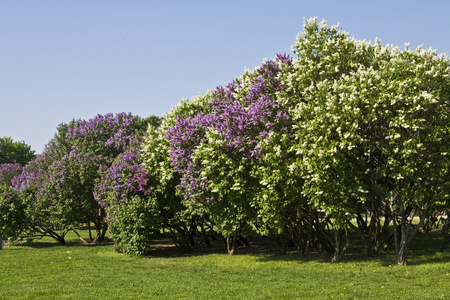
<point>13,219</point>
<point>94,144</point>
<point>63,176</point>
<point>43,214</point>
<point>215,151</point>
<point>176,221</point>
<point>124,192</point>
<point>8,172</point>
<point>374,136</point>
<point>243,113</point>
<point>296,149</point>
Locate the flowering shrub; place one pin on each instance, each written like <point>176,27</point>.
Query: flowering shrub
<point>124,191</point>
<point>61,180</point>
<point>215,150</point>
<point>94,144</point>
<point>42,213</point>
<point>300,145</point>
<point>8,172</point>
<point>374,121</point>
<point>180,223</point>
<point>13,220</point>
<point>297,148</point>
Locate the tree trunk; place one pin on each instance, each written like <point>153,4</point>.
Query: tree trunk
<point>79,236</point>
<point>385,232</point>
<point>231,245</point>
<point>445,233</point>
<point>280,241</point>
<point>100,227</point>
<point>205,235</point>
<point>402,250</point>
<point>104,230</point>
<point>53,234</point>
<point>90,231</point>
<point>374,234</point>
<point>341,244</point>
<point>369,234</point>
<point>323,238</point>
<point>406,234</point>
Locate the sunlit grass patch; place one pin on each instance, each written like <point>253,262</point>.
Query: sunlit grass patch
<point>97,272</point>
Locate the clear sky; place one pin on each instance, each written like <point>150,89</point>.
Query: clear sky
<point>61,60</point>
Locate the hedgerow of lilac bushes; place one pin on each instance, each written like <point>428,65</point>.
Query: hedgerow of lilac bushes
<point>296,149</point>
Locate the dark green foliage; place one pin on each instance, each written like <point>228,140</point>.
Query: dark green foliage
<point>13,219</point>
<point>15,152</point>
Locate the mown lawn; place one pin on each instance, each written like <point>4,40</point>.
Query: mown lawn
<point>46,270</point>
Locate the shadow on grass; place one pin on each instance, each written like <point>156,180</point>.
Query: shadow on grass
<point>264,249</point>
<point>424,250</point>
<point>52,244</point>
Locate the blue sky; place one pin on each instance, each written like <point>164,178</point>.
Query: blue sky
<point>61,60</point>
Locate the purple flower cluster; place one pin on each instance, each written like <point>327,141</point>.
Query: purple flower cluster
<point>8,172</point>
<point>123,181</point>
<point>243,113</point>
<point>185,135</point>
<point>66,172</point>
<point>107,131</point>
<point>91,144</point>
<point>32,175</point>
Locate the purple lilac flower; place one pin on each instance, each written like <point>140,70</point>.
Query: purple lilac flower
<point>242,123</point>
<point>122,181</point>
<point>8,172</point>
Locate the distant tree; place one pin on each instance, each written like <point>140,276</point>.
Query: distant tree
<point>15,152</point>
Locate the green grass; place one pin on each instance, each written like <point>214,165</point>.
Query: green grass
<point>51,271</point>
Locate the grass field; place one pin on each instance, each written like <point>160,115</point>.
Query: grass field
<point>46,270</point>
